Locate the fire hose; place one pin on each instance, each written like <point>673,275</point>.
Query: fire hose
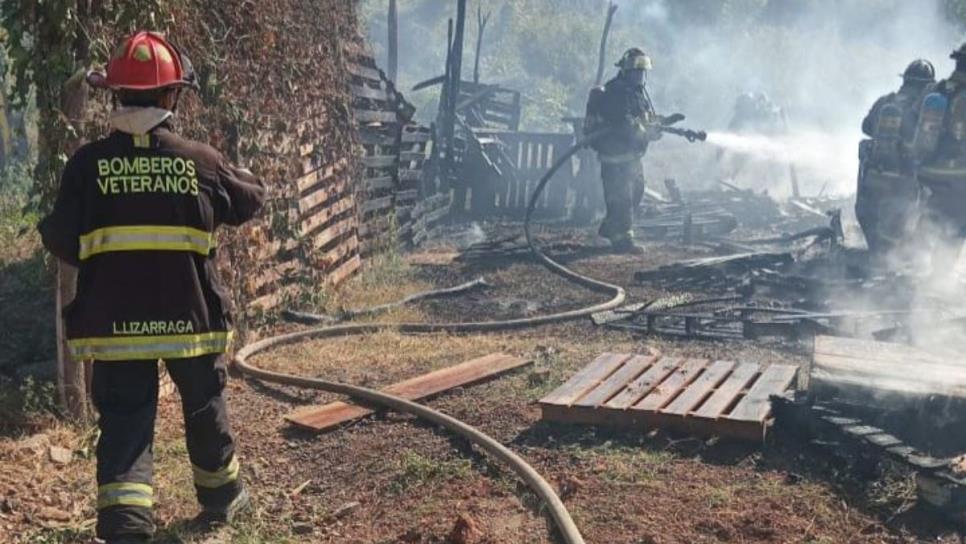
<point>565,524</point>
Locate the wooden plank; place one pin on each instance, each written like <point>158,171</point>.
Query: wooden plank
<point>415,137</point>
<point>331,257</point>
<point>409,156</point>
<point>825,381</point>
<point>884,352</point>
<point>410,174</point>
<point>271,300</point>
<point>694,395</point>
<point>384,161</point>
<point>645,383</point>
<point>321,418</point>
<point>375,137</point>
<point>324,215</point>
<point>307,181</point>
<point>370,116</point>
<point>344,270</point>
<point>408,195</point>
<point>381,183</point>
<point>363,72</point>
<point>585,380</point>
<point>607,389</point>
<point>334,232</point>
<point>325,194</point>
<point>727,392</point>
<point>276,274</point>
<point>362,91</point>
<point>665,392</point>
<point>757,403</point>
<point>376,204</point>
<point>910,376</point>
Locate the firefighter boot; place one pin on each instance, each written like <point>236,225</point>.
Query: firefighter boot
<point>627,246</point>
<point>213,516</point>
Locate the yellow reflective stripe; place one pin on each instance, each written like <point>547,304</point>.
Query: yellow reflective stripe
<point>125,494</point>
<point>141,140</point>
<point>211,480</point>
<point>178,346</point>
<point>145,238</point>
<point>943,173</point>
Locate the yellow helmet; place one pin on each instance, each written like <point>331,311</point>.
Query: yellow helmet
<point>635,59</point>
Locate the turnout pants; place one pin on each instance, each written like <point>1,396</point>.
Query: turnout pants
<point>885,207</point>
<point>623,190</point>
<point>944,224</point>
<point>125,394</point>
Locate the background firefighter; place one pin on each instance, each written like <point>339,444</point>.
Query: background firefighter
<point>622,106</point>
<point>887,194</point>
<point>940,147</point>
<point>136,212</point>
<point>754,114</point>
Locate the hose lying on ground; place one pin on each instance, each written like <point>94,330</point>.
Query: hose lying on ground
<point>308,318</point>
<point>559,513</point>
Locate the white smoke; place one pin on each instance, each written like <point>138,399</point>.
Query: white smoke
<point>823,61</point>
<point>816,154</point>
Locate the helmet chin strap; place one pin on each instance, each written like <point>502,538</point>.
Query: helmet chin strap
<point>177,100</point>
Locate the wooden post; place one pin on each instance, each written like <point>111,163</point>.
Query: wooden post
<point>441,145</point>
<point>481,21</point>
<point>455,77</point>
<point>393,51</point>
<point>72,381</point>
<point>602,55</point>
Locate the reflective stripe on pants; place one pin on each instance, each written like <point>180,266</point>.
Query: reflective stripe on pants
<point>218,478</point>
<point>145,238</point>
<point>125,494</point>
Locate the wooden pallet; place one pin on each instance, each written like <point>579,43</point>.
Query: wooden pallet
<point>700,396</point>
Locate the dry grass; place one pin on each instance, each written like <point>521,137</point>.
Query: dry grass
<point>411,481</point>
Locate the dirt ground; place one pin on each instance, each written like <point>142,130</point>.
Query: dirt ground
<point>391,478</point>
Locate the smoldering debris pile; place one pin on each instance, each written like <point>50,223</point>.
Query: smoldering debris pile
<point>789,287</point>
<point>709,216</point>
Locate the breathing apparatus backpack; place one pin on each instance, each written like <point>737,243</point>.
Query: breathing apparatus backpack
<point>886,137</point>
<point>929,130</point>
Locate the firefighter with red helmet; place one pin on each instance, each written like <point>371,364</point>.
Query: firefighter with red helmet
<point>137,213</point>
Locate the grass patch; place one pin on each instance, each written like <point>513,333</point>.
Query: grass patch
<point>625,464</point>
<point>417,470</point>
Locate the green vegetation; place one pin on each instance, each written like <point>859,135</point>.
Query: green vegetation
<point>416,470</point>
<point>623,463</point>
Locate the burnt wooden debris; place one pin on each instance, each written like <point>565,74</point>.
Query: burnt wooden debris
<point>699,396</point>
<point>332,415</point>
<point>852,439</point>
<point>887,376</point>
<point>869,401</point>
<point>712,271</point>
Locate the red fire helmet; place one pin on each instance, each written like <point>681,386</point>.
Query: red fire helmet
<point>143,62</point>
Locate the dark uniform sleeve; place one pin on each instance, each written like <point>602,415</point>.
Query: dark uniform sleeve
<point>60,231</point>
<point>872,119</point>
<point>242,194</point>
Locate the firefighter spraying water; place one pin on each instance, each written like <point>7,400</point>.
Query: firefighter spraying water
<point>625,112</point>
